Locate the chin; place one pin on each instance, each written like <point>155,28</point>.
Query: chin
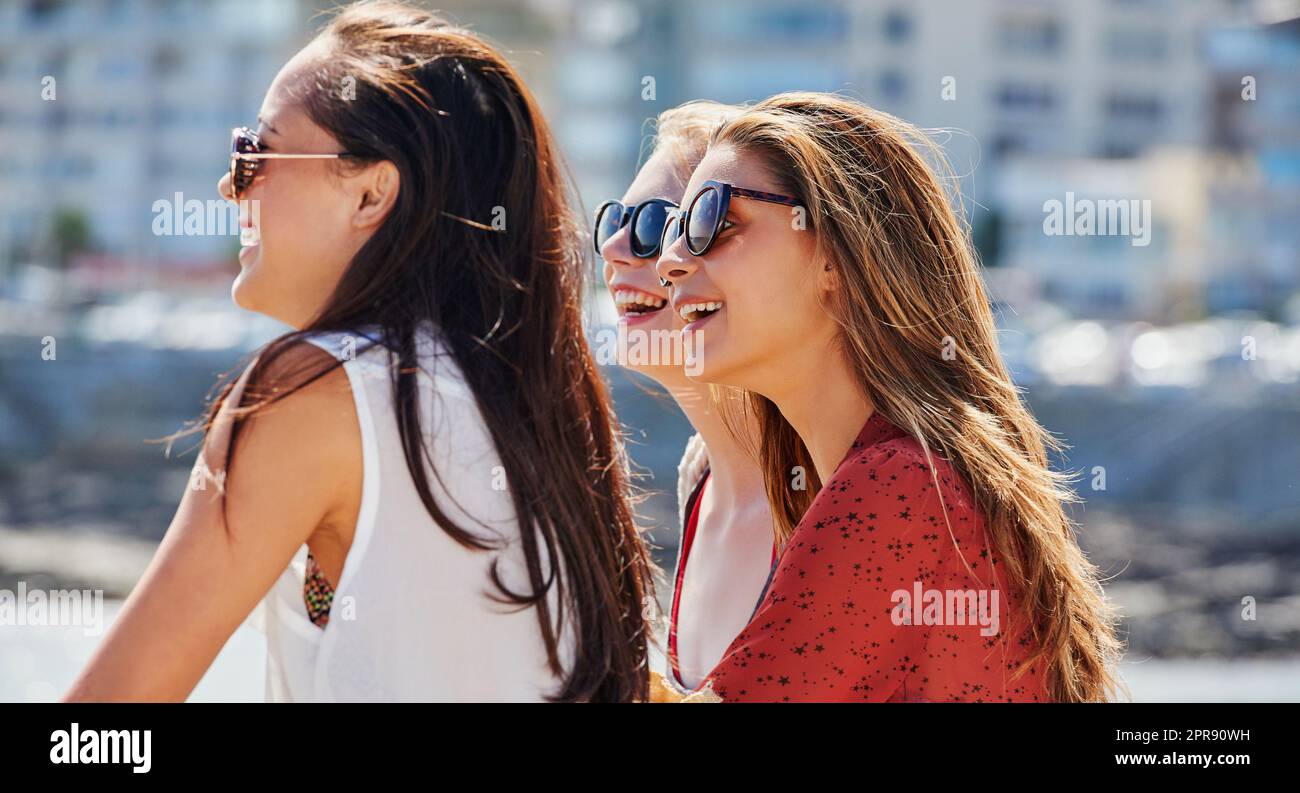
<point>241,292</point>
<point>720,364</point>
<point>663,375</point>
<point>249,293</point>
<point>707,370</point>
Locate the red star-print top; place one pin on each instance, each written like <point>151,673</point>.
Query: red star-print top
<point>875,599</point>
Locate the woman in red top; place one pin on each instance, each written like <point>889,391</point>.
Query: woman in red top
<point>843,620</point>
<point>925,553</point>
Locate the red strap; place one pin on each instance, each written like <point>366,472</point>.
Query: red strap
<point>688,536</point>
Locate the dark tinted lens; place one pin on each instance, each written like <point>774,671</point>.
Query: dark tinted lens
<point>243,143</point>
<point>672,230</point>
<point>648,229</point>
<point>608,223</point>
<point>703,220</point>
<point>242,171</point>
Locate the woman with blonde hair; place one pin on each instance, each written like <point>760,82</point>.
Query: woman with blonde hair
<point>726,524</point>
<point>925,550</point>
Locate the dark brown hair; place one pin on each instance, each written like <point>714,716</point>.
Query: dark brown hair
<point>471,147</point>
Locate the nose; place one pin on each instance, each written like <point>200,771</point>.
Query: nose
<point>673,266</point>
<point>224,187</point>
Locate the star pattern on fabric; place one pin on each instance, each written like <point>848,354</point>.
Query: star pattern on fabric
<point>825,630</point>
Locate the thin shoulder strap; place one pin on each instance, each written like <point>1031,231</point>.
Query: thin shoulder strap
<point>695,493</point>
<point>767,584</point>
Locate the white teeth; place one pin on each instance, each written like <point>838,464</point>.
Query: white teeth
<point>627,297</point>
<point>689,310</point>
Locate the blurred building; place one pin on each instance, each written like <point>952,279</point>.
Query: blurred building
<point>1255,246</point>
<point>144,95</point>
<point>1153,266</point>
<point>1033,97</point>
<point>147,89</point>
<point>1103,78</point>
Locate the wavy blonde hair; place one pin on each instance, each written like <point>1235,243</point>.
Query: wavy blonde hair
<point>910,288</point>
<point>684,132</point>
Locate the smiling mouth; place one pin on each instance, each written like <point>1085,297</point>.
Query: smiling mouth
<point>632,303</point>
<point>694,311</point>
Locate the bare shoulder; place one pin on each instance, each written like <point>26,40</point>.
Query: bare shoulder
<point>312,405</point>
<point>300,448</point>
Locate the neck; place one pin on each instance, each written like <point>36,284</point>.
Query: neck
<point>736,478</point>
<point>827,418</point>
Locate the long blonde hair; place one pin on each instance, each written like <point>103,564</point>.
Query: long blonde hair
<point>919,333</point>
<point>684,132</point>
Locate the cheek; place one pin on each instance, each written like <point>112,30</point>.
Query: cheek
<point>765,291</point>
<point>304,247</point>
<point>772,303</point>
<point>304,232</point>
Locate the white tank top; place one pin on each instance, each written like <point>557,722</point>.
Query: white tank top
<point>412,617</point>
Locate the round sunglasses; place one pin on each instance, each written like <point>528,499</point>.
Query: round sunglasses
<point>706,213</point>
<point>246,156</point>
<point>647,220</point>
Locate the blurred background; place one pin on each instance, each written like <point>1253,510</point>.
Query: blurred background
<point>1171,369</point>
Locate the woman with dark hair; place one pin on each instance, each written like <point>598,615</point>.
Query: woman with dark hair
<point>419,492</point>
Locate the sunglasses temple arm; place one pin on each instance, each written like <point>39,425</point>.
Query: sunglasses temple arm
<point>771,198</point>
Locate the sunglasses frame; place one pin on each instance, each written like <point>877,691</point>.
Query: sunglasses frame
<point>682,217</point>
<point>244,165</point>
<point>725,193</point>
<point>629,217</point>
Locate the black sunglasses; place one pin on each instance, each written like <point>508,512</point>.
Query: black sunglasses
<point>646,218</point>
<point>246,156</point>
<point>705,214</point>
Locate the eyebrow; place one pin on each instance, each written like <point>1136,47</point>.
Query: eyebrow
<point>261,121</point>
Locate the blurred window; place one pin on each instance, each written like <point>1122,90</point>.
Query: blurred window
<point>898,26</point>
<point>1137,45</point>
<point>736,24</point>
<point>167,61</point>
<point>1144,108</point>
<point>44,12</point>
<point>1119,149</point>
<point>893,85</point>
<point>1032,97</point>
<point>1031,34</point>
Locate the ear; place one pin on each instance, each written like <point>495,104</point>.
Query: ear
<point>376,194</point>
<point>827,274</point>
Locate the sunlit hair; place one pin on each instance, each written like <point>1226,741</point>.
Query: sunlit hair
<point>909,288</point>
<point>683,132</point>
<point>468,140</point>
